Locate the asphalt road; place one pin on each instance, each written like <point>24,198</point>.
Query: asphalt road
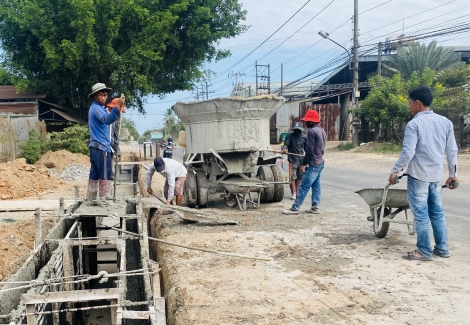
<point>339,187</point>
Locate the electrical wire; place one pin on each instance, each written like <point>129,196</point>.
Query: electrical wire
<point>246,56</point>
<point>308,22</point>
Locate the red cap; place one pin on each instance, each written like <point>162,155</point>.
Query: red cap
<point>311,116</point>
<point>114,103</point>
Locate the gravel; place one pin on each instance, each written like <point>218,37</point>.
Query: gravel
<point>73,172</point>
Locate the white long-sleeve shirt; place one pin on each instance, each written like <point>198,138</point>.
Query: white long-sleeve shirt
<point>172,171</point>
<point>428,136</point>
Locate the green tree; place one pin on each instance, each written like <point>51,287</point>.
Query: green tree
<point>386,104</point>
<point>417,57</point>
<point>5,77</point>
<point>146,134</point>
<point>73,139</point>
<point>130,125</point>
<point>138,47</point>
<point>34,147</point>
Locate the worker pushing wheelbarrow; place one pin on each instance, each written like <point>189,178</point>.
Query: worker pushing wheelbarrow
<point>428,138</point>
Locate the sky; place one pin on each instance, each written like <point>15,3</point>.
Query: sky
<point>299,47</point>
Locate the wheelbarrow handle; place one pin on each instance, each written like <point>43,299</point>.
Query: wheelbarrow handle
<point>453,184</point>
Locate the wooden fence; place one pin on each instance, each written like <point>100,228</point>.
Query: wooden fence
<point>14,130</point>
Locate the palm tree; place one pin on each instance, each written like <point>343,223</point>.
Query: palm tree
<point>417,57</point>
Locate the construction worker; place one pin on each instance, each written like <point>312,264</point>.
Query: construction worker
<point>296,143</point>
<point>175,174</point>
<point>99,120</point>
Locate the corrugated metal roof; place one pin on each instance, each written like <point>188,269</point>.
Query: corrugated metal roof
<point>10,92</point>
<point>18,108</point>
<point>70,117</point>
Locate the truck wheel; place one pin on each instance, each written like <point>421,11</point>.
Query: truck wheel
<point>278,188</point>
<point>202,189</point>
<point>265,174</point>
<point>190,189</point>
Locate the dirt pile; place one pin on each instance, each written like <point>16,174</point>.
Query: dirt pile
<point>18,180</point>
<point>367,147</point>
<point>60,160</point>
<point>16,243</point>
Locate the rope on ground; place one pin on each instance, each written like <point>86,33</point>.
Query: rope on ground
<point>197,248</point>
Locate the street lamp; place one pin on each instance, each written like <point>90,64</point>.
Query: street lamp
<point>355,121</point>
<point>325,35</point>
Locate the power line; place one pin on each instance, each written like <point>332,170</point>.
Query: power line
<point>324,8</point>
<point>246,56</point>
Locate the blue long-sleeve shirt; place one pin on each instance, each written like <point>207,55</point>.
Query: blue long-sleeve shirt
<point>428,136</point>
<point>98,124</point>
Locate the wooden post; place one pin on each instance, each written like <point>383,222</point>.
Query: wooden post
<point>37,218</point>
<point>31,319</point>
<point>61,206</point>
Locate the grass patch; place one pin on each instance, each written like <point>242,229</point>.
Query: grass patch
<point>344,146</point>
<point>387,147</point>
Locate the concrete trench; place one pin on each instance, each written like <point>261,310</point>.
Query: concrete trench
<point>67,269</point>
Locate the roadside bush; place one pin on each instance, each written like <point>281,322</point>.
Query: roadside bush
<point>73,139</point>
<point>387,147</point>
<point>343,146</point>
<point>34,147</point>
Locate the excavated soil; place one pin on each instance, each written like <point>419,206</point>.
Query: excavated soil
<point>60,160</point>
<point>17,240</point>
<point>19,180</point>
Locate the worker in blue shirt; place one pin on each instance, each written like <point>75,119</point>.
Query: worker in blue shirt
<point>99,120</point>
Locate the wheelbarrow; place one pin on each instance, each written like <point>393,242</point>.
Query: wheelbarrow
<point>381,202</point>
<point>241,189</point>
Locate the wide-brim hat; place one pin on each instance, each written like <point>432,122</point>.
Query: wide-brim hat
<point>311,116</point>
<point>159,164</point>
<point>298,126</point>
<point>99,87</point>
<point>113,104</point>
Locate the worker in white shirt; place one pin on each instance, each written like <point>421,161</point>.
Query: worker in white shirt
<point>175,174</point>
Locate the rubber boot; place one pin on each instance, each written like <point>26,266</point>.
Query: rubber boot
<point>92,195</point>
<point>105,190</point>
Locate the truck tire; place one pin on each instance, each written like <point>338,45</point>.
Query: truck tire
<point>279,176</point>
<point>190,189</point>
<point>265,174</point>
<point>202,189</point>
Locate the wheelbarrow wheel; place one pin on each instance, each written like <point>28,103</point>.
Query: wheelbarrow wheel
<point>265,174</point>
<point>382,232</point>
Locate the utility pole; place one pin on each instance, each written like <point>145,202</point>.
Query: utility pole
<point>379,63</point>
<point>282,78</point>
<point>249,91</point>
<point>263,73</point>
<point>256,68</point>
<point>236,75</point>
<point>355,98</point>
